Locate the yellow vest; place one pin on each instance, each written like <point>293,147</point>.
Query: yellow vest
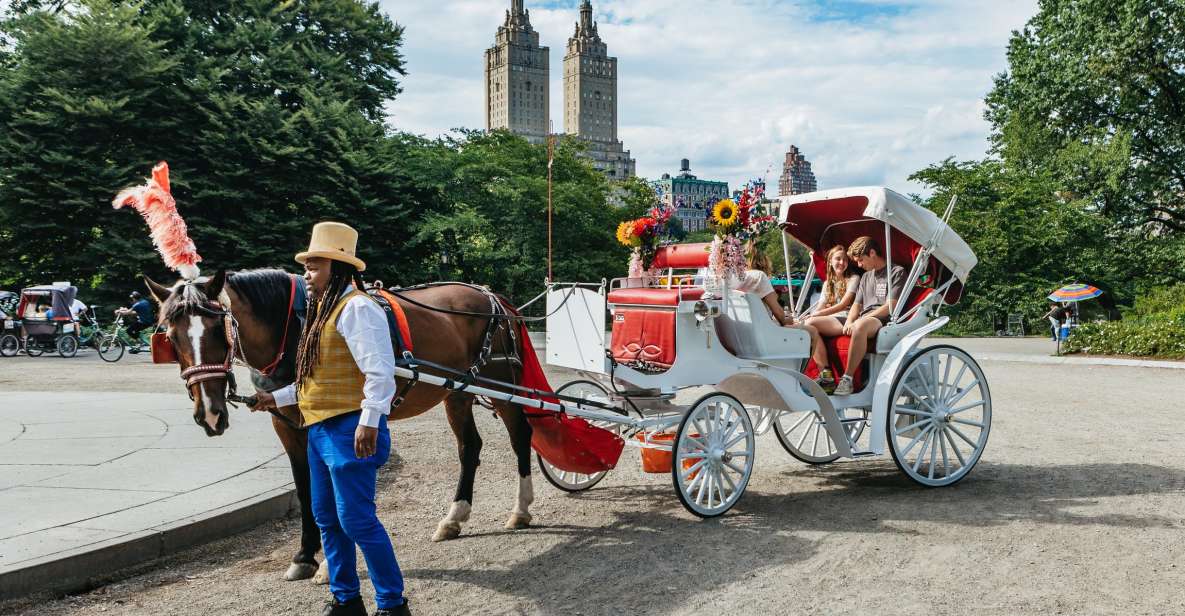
<point>335,385</point>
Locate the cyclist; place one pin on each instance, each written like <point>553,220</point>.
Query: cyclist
<point>141,309</point>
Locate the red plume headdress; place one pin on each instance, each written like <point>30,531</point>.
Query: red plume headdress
<point>155,203</point>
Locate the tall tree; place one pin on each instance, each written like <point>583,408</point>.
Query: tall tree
<point>1095,95</point>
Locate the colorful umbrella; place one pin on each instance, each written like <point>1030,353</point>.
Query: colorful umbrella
<point>1075,293</point>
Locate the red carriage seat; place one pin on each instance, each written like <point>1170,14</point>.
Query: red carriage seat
<point>644,318</point>
<point>837,347</point>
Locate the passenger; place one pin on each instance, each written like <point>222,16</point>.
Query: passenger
<point>839,291</point>
<point>871,306</point>
<point>756,280</point>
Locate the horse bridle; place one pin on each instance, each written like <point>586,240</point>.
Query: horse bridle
<point>195,375</point>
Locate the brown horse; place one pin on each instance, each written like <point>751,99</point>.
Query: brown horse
<point>250,310</point>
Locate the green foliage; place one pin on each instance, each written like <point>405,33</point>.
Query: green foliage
<point>1095,96</point>
<point>1165,339</point>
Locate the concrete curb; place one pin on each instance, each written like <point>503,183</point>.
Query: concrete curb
<point>84,568</point>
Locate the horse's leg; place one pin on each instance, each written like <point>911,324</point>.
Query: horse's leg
<point>295,442</point>
<point>520,439</point>
<point>459,407</point>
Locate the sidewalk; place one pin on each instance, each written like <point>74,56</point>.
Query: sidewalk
<point>93,482</point>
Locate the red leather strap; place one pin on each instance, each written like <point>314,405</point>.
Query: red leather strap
<point>270,368</point>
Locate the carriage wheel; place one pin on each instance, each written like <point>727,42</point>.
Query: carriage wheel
<point>804,435</point>
<point>713,455</point>
<point>10,345</point>
<point>110,348</point>
<point>939,417</point>
<point>33,347</point>
<point>67,346</point>
<point>566,480</point>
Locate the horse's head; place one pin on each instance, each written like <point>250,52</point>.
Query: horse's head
<point>197,319</point>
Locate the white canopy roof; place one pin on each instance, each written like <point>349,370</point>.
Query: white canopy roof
<point>901,213</point>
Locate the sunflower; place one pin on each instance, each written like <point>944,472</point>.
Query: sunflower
<point>724,214</point>
<point>625,232</point>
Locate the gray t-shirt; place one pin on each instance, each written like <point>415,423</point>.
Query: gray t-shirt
<point>873,291</point>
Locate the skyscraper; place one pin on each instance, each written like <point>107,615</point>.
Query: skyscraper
<point>797,177</point>
<point>517,75</point>
<point>590,97</point>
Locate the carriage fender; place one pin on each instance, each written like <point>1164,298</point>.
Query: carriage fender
<point>888,376</point>
<point>778,388</point>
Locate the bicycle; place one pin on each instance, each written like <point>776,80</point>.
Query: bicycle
<point>115,339</point>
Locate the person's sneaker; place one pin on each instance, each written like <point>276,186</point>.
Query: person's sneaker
<point>353,607</point>
<point>402,610</point>
<point>845,386</point>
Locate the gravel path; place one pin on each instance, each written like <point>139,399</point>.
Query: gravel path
<point>1078,507</point>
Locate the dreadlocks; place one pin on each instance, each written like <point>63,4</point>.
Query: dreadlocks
<point>341,275</point>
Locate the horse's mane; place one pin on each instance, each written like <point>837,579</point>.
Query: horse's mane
<point>265,289</point>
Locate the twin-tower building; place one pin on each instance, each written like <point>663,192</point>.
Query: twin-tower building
<point>518,71</point>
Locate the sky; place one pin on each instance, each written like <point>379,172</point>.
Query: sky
<point>869,90</point>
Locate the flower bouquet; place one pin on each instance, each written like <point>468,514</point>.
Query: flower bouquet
<point>645,235</point>
<point>736,222</point>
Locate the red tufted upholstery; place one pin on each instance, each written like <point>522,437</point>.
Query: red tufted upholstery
<point>654,297</point>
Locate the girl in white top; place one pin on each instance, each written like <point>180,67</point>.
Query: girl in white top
<point>839,290</point>
<point>756,280</point>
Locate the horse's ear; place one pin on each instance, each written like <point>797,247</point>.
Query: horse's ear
<point>215,284</point>
<point>158,291</point>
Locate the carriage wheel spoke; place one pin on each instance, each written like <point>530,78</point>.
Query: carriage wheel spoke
<point>919,436</point>
<point>962,392</point>
<point>732,487</point>
<point>922,453</point>
<point>805,416</point>
<point>945,459</point>
<point>905,410</point>
<point>918,397</point>
<point>955,446</point>
<point>815,444</point>
<point>802,439</point>
<point>687,472</point>
<point>740,471</point>
<point>944,383</point>
<point>698,443</point>
<point>967,407</point>
<point>911,426</point>
<point>967,422</point>
<point>953,386</point>
<point>933,453</point>
<point>959,432</point>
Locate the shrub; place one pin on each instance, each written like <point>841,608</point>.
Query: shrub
<point>1140,337</point>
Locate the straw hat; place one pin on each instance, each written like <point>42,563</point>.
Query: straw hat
<point>333,240</point>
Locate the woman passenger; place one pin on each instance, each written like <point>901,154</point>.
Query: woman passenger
<point>839,290</point>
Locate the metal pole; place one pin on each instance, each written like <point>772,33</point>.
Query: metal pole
<point>789,287</point>
<point>550,161</point>
<point>889,264</point>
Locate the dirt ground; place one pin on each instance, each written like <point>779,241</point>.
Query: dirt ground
<point>1077,507</point>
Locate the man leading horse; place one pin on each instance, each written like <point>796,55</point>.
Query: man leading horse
<point>345,356</point>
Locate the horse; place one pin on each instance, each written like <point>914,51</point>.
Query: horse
<point>249,315</point>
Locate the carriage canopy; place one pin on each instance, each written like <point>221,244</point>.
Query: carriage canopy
<point>57,297</point>
<point>823,219</point>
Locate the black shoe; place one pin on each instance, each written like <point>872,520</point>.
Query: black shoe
<point>353,607</point>
<point>396,611</point>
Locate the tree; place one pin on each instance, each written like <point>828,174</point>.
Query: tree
<point>269,115</point>
<point>1095,96</point>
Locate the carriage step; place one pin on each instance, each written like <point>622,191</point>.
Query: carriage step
<point>862,454</point>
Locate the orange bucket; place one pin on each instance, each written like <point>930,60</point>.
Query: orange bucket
<point>659,460</point>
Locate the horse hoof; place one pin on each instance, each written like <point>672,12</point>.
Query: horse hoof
<point>300,571</point>
<point>322,576</point>
<point>447,530</point>
<point>518,521</point>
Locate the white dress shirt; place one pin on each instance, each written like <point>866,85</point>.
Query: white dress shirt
<point>364,326</point>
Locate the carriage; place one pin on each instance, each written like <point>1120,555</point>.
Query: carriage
<point>45,319</point>
<point>929,408</point>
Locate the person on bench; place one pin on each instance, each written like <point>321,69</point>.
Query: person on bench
<point>871,306</point>
<point>839,291</point>
<point>756,280</point>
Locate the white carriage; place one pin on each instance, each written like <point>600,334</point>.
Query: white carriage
<point>929,408</point>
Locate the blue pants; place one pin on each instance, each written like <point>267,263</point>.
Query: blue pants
<point>343,505</point>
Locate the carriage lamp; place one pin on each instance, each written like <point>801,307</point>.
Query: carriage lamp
<point>703,311</point>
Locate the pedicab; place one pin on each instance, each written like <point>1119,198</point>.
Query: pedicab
<point>10,343</point>
<point>46,322</point>
<point>929,408</point>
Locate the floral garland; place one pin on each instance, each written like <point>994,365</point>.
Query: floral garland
<point>736,222</point>
<point>644,235</point>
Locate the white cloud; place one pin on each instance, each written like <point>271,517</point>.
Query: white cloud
<point>869,90</point>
